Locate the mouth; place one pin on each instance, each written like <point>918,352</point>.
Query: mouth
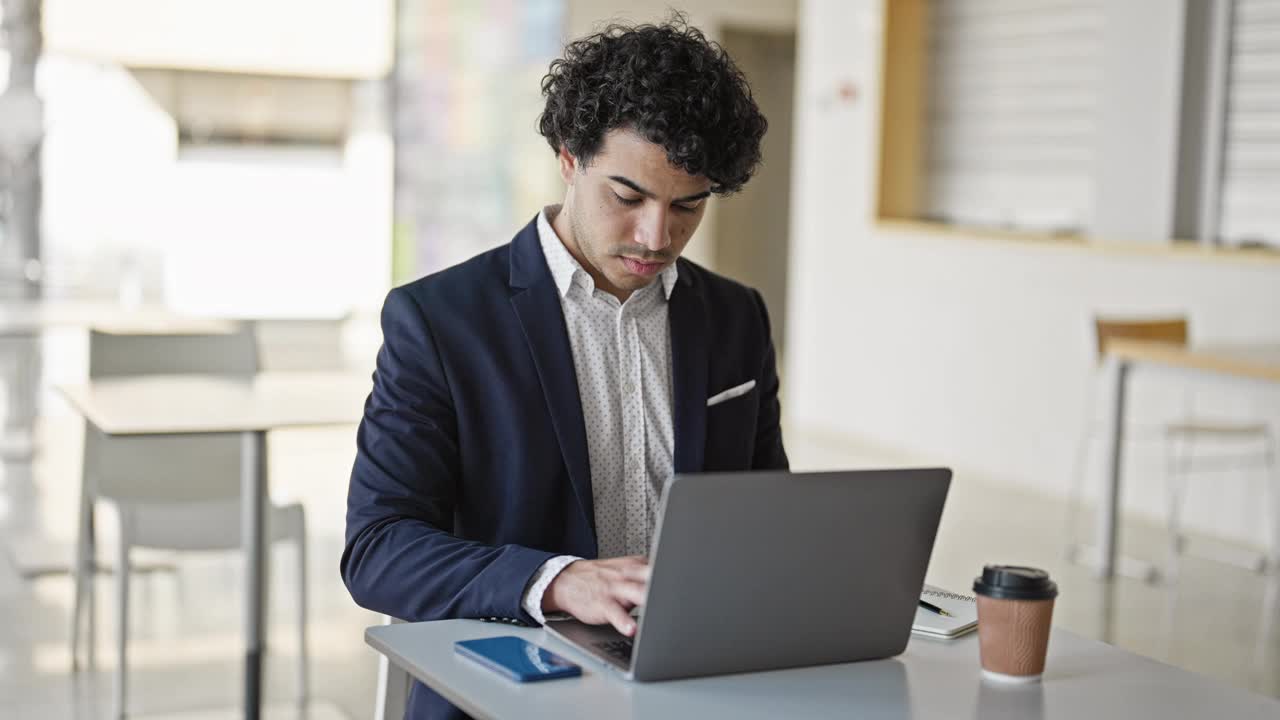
<point>640,267</point>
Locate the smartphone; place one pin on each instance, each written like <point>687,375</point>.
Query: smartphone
<point>517,658</point>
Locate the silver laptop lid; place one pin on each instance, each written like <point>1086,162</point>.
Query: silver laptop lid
<point>767,570</point>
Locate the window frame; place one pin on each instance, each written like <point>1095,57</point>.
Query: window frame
<point>1187,176</point>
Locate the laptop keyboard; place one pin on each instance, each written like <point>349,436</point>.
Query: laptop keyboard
<point>620,649</point>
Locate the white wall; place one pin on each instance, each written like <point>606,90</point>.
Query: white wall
<point>252,232</point>
<point>244,232</point>
<point>973,351</point>
<point>1137,116</point>
<point>329,38</point>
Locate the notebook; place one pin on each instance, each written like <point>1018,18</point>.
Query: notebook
<point>963,609</point>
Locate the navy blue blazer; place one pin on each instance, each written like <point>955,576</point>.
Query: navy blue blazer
<point>471,467</point>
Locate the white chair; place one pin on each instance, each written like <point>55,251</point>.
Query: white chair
<point>172,493</point>
<point>393,685</point>
<point>1253,441</point>
<point>300,344</point>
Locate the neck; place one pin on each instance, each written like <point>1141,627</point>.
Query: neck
<point>558,216</point>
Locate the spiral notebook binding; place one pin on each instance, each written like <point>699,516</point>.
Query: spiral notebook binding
<point>950,595</point>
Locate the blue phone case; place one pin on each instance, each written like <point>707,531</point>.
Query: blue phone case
<point>517,659</point>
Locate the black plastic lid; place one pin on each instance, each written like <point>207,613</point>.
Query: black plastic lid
<point>1012,582</point>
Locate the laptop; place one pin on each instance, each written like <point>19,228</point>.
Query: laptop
<point>768,570</point>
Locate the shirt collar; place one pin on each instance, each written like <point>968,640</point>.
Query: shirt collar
<point>565,269</point>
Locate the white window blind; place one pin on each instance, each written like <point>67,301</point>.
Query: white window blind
<point>1250,210</point>
<point>1011,126</point>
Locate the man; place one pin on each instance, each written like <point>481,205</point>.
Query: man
<point>530,404</point>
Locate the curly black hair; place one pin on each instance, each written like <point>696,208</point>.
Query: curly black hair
<point>669,84</point>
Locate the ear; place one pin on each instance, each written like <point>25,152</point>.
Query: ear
<point>568,165</point>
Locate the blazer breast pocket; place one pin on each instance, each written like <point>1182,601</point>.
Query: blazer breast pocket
<point>731,393</point>
<point>731,428</point>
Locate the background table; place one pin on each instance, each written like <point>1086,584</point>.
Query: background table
<point>203,404</point>
<point>1253,362</point>
<point>932,679</point>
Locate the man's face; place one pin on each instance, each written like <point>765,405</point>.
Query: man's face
<point>630,212</point>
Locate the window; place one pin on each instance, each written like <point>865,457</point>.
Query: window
<point>1010,101</point>
<point>1139,121</point>
<point>1250,191</point>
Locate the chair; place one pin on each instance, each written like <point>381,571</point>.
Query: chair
<point>393,685</point>
<point>172,493</point>
<point>1179,438</point>
<point>300,344</point>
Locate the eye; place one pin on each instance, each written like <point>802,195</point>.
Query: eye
<point>685,208</point>
<point>629,202</point>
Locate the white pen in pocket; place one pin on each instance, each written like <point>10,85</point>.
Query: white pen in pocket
<point>731,393</point>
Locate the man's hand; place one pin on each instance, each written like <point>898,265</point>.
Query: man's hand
<point>600,591</point>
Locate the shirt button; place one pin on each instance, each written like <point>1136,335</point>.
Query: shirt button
<point>629,388</point>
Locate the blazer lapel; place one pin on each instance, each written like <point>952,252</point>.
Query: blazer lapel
<point>687,318</point>
<point>537,305</point>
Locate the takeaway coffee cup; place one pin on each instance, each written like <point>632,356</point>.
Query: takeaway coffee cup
<point>1015,605</point>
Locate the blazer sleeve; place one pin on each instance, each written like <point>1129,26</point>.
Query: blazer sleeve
<point>400,557</point>
<point>769,453</point>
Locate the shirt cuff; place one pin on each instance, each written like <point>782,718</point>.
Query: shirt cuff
<point>532,601</point>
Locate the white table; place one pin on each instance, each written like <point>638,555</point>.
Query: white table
<point>209,404</point>
<point>932,679</point>
<point>1250,362</point>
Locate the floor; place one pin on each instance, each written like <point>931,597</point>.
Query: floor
<point>186,647</point>
<point>186,644</point>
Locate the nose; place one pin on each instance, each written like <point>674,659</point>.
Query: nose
<point>654,231</point>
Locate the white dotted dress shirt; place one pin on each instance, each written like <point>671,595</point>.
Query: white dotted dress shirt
<point>622,357</point>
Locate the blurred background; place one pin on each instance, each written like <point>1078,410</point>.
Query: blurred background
<point>962,202</point>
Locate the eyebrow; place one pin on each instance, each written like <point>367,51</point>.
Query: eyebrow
<point>646,193</point>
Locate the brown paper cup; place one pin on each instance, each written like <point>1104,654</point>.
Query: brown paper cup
<point>1013,638</point>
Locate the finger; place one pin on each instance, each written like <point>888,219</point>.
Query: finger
<point>620,619</point>
<point>638,572</point>
<point>629,592</point>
